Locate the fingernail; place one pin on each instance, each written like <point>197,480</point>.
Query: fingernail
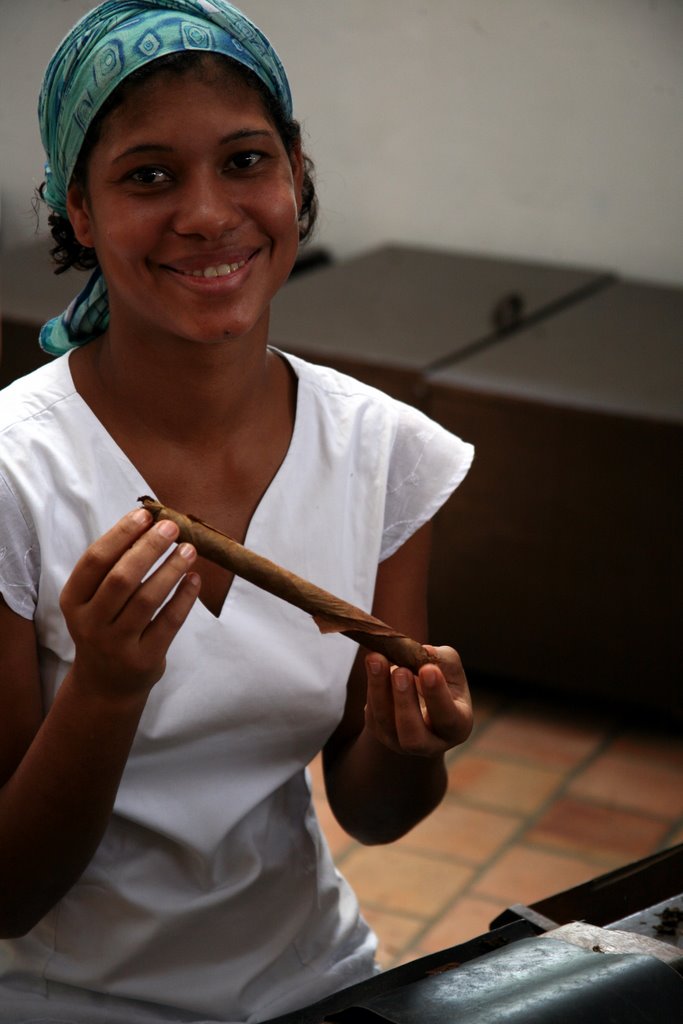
<point>375,666</point>
<point>167,529</point>
<point>140,516</point>
<point>186,551</point>
<point>430,677</point>
<point>402,680</point>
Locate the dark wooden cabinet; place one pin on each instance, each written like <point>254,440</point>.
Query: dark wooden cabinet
<point>30,294</point>
<point>389,315</point>
<point>561,560</point>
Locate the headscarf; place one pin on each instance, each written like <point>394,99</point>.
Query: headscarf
<point>100,51</point>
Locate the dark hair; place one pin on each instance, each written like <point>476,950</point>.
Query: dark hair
<point>68,252</point>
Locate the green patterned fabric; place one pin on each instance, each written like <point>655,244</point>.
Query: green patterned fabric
<point>100,51</point>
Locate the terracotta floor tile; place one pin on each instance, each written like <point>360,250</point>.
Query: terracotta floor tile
<point>632,782</point>
<point>422,894</point>
<point>463,832</point>
<point>524,875</point>
<point>504,785</point>
<point>465,919</point>
<point>403,882</point>
<point>538,737</point>
<point>615,835</point>
<point>394,933</point>
<point>315,770</point>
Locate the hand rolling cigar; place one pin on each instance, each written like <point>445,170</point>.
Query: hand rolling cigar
<point>331,614</point>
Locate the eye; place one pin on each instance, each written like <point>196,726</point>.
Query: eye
<point>243,161</point>
<point>149,176</point>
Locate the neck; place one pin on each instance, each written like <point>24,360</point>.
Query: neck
<point>191,395</point>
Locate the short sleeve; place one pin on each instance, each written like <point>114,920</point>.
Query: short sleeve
<point>19,556</point>
<point>427,464</point>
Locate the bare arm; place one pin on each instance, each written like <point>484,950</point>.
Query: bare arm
<point>60,774</point>
<point>384,764</point>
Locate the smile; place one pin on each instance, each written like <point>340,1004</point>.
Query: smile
<point>222,270</point>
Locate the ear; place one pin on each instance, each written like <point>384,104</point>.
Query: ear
<point>78,212</point>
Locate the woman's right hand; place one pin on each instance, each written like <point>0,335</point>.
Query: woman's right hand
<point>60,770</point>
<point>115,611</point>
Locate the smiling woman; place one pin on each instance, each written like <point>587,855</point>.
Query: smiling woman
<point>161,859</point>
<point>194,220</point>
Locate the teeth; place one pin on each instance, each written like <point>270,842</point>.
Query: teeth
<point>222,270</point>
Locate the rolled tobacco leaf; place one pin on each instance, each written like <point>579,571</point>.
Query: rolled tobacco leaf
<point>330,613</point>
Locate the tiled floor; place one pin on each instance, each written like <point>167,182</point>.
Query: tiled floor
<point>542,797</point>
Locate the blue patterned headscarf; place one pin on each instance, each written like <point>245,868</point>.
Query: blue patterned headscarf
<point>102,49</point>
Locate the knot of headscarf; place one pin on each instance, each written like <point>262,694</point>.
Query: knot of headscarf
<point>102,49</point>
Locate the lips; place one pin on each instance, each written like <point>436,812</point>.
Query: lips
<point>210,265</point>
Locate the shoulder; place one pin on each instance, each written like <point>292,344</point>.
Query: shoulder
<point>39,425</point>
<point>28,399</point>
<point>408,430</point>
<point>394,458</point>
<point>333,386</point>
<point>349,400</point>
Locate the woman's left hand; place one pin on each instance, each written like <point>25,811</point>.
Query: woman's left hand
<point>423,715</point>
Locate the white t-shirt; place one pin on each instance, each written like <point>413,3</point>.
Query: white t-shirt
<point>212,891</point>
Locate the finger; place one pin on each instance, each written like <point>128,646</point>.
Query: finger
<point>163,628</point>
<point>126,575</point>
<point>96,562</point>
<point>379,711</point>
<point>411,730</point>
<point>450,664</point>
<point>147,598</point>
<point>448,706</point>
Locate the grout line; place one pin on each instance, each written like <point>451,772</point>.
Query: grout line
<point>516,837</point>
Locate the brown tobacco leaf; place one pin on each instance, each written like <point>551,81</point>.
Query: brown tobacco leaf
<point>330,613</point>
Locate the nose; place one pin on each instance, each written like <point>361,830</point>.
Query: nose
<point>205,206</point>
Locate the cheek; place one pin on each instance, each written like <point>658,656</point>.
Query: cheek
<point>285,216</point>
<point>283,204</point>
<point>123,239</point>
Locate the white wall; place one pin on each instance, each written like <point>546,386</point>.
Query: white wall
<point>547,129</point>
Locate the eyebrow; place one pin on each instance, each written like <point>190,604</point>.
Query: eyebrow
<point>155,147</point>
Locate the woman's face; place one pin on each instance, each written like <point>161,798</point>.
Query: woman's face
<point>191,204</point>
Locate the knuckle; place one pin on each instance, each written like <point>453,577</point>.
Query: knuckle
<point>146,603</point>
<point>93,559</point>
<point>117,578</point>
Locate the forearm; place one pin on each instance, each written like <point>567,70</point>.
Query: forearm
<point>378,795</point>
<point>61,775</point>
<point>56,806</point>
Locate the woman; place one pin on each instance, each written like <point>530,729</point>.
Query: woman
<point>160,857</point>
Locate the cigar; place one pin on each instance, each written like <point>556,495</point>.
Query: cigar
<point>330,613</point>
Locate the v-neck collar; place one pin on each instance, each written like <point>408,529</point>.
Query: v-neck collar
<point>256,533</point>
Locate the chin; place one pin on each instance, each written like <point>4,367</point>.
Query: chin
<point>218,335</point>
